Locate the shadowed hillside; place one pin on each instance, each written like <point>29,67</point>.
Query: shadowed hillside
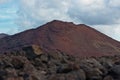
<point>3,35</point>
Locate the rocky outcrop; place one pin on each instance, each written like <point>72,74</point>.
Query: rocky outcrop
<point>56,66</point>
<point>32,51</point>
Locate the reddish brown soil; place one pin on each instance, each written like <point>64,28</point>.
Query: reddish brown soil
<point>78,40</point>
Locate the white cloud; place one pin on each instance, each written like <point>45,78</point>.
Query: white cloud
<point>97,12</point>
<point>85,11</point>
<point>41,11</point>
<point>110,30</point>
<point>89,4</point>
<point>114,3</point>
<point>4,1</point>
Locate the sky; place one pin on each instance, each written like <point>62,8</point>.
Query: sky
<point>19,15</point>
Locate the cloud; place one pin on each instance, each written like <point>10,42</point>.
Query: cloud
<point>37,12</point>
<point>91,12</point>
<point>114,3</point>
<point>110,30</point>
<point>101,14</point>
<point>95,12</point>
<point>4,1</point>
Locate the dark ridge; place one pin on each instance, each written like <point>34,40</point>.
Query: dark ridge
<point>2,35</point>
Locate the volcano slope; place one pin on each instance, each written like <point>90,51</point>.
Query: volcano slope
<point>59,51</point>
<point>78,40</point>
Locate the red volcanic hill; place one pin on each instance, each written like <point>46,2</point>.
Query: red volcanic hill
<point>78,40</point>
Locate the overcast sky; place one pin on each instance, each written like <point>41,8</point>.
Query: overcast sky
<point>19,15</point>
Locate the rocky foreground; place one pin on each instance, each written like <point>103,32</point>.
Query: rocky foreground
<point>31,63</point>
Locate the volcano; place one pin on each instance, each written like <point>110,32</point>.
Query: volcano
<point>67,37</point>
